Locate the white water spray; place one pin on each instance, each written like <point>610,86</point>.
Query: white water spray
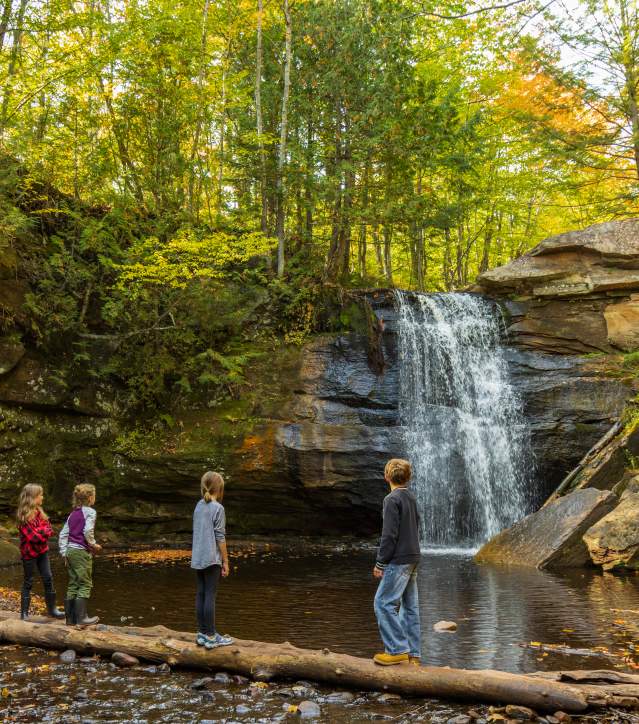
<point>464,432</point>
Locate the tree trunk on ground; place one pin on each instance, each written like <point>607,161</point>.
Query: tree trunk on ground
<point>266,661</point>
<point>282,150</point>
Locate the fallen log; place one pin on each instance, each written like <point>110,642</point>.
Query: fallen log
<point>266,661</point>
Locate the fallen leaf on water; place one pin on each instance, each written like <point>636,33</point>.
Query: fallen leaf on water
<point>5,693</point>
<point>568,630</point>
<point>292,709</point>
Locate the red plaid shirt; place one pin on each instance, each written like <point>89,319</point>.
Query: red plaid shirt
<point>34,537</point>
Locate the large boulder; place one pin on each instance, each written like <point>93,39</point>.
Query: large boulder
<point>573,293</point>
<point>613,542</point>
<point>602,257</point>
<point>553,536</point>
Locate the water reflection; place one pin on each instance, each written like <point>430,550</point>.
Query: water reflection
<point>326,600</point>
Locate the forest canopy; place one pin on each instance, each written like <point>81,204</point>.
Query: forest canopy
<point>380,141</point>
<point>281,145</point>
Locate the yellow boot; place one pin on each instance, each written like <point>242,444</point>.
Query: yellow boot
<point>414,660</point>
<point>390,659</point>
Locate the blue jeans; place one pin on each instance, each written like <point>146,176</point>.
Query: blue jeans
<point>397,609</point>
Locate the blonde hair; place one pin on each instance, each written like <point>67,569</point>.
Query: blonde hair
<point>27,507</point>
<point>82,494</point>
<point>212,486</point>
<point>398,471</point>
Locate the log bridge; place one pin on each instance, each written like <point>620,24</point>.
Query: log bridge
<point>574,692</point>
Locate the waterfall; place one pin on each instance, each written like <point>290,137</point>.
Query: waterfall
<point>461,419</point>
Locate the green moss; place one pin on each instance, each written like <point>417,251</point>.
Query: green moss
<point>631,361</point>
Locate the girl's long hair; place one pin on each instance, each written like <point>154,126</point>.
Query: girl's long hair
<point>212,486</point>
<point>27,507</point>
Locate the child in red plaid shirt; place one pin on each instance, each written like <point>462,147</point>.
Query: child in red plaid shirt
<point>35,530</point>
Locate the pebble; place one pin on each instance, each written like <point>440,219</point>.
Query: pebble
<point>240,679</point>
<point>302,690</point>
<point>309,710</point>
<point>222,678</point>
<point>201,683</point>
<point>340,697</point>
<point>447,626</point>
<point>459,719</point>
<point>82,696</point>
<point>562,717</point>
<point>389,698</point>
<point>474,714</point>
<point>208,697</point>
<point>552,720</point>
<point>68,656</point>
<point>286,693</point>
<point>164,669</point>
<point>124,661</point>
<point>520,713</point>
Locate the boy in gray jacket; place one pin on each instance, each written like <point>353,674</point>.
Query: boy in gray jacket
<point>396,600</point>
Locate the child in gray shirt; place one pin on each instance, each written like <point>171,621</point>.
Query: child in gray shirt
<point>209,557</point>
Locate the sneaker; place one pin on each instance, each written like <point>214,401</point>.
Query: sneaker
<point>201,639</point>
<point>390,659</point>
<point>221,640</point>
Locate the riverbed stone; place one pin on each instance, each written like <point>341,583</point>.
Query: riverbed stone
<point>222,678</point>
<point>520,713</point>
<point>309,710</point>
<point>124,661</point>
<point>445,626</point>
<point>340,697</point>
<point>202,683</point>
<point>68,656</point>
<point>613,542</point>
<point>551,537</point>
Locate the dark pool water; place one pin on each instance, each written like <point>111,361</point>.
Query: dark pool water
<point>325,599</point>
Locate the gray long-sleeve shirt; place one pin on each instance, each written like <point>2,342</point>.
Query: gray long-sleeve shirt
<point>209,528</point>
<point>400,534</point>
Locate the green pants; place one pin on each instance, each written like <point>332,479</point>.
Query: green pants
<point>80,571</point>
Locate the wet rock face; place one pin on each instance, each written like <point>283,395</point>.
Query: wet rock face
<point>569,404</point>
<point>551,537</point>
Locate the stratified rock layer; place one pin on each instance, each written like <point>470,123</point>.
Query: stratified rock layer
<point>551,537</point>
<point>573,293</point>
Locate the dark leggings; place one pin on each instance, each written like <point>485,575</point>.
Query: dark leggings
<point>207,582</point>
<point>44,569</point>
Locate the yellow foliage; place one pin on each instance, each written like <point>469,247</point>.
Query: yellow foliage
<point>186,257</point>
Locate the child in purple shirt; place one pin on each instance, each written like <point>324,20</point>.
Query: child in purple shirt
<point>77,546</point>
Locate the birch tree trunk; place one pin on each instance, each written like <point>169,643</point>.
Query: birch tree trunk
<point>282,148</point>
<point>259,120</point>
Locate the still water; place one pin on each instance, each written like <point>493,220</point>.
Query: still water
<point>317,600</point>
<point>325,599</point>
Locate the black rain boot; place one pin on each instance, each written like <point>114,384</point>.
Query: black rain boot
<point>25,602</point>
<point>69,611</point>
<point>81,617</point>
<point>52,609</point>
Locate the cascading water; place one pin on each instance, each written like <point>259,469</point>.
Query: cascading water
<point>461,419</point>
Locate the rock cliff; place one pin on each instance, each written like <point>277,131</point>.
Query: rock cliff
<point>572,294</point>
<point>303,448</point>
